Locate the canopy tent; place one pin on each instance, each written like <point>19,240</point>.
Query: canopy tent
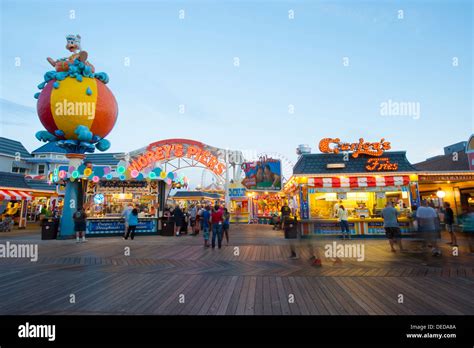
<point>10,195</point>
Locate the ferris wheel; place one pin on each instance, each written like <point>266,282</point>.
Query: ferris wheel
<point>209,178</point>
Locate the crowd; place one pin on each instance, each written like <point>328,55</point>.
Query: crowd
<point>214,222</point>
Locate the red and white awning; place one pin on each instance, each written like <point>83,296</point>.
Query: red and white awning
<point>9,195</point>
<point>359,181</point>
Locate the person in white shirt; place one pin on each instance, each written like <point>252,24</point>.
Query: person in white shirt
<point>343,218</point>
<point>427,219</point>
<point>336,208</point>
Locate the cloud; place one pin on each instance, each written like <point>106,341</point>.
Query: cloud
<point>14,114</point>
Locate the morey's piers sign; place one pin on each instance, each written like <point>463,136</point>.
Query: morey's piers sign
<point>188,153</point>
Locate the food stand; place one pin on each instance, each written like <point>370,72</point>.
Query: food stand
<point>107,199</point>
<point>363,183</point>
<point>14,204</point>
<point>239,203</point>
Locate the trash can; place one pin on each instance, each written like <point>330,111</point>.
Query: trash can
<point>49,229</point>
<point>290,227</point>
<point>167,227</point>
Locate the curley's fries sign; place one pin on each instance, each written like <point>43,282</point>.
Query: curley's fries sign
<point>335,145</point>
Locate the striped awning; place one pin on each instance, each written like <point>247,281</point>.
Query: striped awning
<point>359,181</point>
<point>18,195</point>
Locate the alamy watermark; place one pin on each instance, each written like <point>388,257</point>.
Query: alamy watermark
<point>27,251</point>
<point>400,108</point>
<point>345,250</point>
<point>37,331</point>
<point>69,108</point>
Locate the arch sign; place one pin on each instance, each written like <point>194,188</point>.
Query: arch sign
<point>166,150</point>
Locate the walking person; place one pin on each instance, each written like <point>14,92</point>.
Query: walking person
<point>291,233</point>
<point>197,226</point>
<point>125,214</point>
<point>449,222</point>
<point>343,218</point>
<point>178,216</point>
<point>285,212</point>
<point>79,218</point>
<point>428,226</point>
<point>217,220</point>
<point>206,221</point>
<point>132,224</point>
<point>226,225</point>
<point>192,219</point>
<point>392,228</point>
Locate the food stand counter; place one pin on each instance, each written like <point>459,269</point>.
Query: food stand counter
<point>99,226</point>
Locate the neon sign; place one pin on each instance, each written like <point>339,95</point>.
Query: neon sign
<point>362,147</point>
<point>380,164</point>
<point>164,152</point>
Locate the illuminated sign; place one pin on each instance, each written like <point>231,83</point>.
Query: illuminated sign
<point>236,192</point>
<point>99,198</point>
<point>447,177</point>
<point>334,145</point>
<point>335,165</point>
<point>380,164</point>
<point>189,150</point>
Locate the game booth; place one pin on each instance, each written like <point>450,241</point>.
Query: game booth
<point>262,186</point>
<point>362,182</point>
<point>13,207</point>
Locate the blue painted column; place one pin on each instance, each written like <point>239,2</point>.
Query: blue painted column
<point>72,200</point>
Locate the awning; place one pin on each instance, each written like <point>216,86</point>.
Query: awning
<point>17,195</point>
<point>359,181</point>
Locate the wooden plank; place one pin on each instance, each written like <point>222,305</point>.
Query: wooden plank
<point>228,291</point>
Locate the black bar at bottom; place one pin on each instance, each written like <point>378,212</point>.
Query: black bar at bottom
<point>291,330</point>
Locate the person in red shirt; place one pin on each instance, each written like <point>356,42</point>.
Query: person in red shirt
<point>217,220</point>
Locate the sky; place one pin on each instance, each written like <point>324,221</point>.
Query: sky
<point>324,72</point>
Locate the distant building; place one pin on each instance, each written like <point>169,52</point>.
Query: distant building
<point>448,178</point>
<point>13,156</point>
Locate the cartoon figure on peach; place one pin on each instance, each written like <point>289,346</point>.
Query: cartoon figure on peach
<point>75,106</point>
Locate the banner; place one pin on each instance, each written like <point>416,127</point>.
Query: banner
<point>264,175</point>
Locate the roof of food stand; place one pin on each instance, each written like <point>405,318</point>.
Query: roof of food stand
<point>104,159</point>
<point>18,181</point>
<point>316,164</point>
<point>13,180</point>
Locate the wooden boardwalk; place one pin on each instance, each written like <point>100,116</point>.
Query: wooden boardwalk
<point>252,276</point>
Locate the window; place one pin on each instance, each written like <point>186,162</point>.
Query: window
<point>41,169</point>
<point>18,170</point>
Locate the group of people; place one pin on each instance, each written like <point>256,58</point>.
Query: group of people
<point>427,227</point>
<point>214,222</point>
